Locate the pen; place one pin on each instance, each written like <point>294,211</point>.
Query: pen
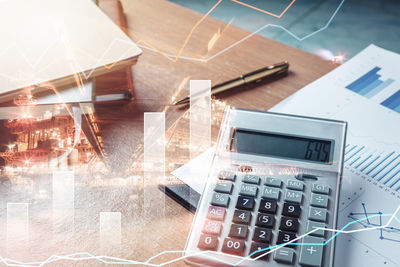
<point>252,77</point>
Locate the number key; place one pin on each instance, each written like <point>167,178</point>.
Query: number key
<point>268,206</point>
<point>292,210</point>
<point>262,235</point>
<point>289,224</point>
<point>208,242</point>
<point>245,203</point>
<point>239,231</point>
<point>284,237</point>
<point>233,246</point>
<point>265,220</point>
<point>241,216</point>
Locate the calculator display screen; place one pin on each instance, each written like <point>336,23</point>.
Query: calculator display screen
<point>292,147</point>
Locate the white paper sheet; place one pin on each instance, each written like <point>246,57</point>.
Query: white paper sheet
<point>372,164</point>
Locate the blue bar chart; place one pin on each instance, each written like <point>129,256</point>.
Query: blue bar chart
<point>370,84</point>
<point>381,166</point>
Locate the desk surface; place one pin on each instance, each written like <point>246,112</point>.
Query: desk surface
<point>164,29</point>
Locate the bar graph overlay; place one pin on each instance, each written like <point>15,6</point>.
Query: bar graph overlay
<point>379,165</point>
<point>371,84</point>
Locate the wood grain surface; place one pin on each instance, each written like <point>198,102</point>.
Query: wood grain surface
<point>158,78</point>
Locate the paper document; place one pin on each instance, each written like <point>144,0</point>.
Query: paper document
<point>365,92</point>
<point>195,172</point>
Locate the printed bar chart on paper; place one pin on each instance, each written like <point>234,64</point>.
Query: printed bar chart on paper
<point>365,92</point>
<point>370,84</point>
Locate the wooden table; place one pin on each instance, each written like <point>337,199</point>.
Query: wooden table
<point>164,29</point>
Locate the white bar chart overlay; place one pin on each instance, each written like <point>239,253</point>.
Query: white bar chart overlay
<point>200,116</point>
<point>110,230</point>
<point>200,126</point>
<point>154,163</point>
<point>17,224</point>
<point>63,200</point>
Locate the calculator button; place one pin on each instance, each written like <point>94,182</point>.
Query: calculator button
<point>312,225</point>
<point>311,255</point>
<point>208,242</point>
<point>293,196</point>
<point>233,246</point>
<point>251,179</point>
<point>262,235</point>
<point>284,237</point>
<point>224,188</point>
<point>273,182</point>
<point>238,231</point>
<point>265,220</point>
<point>255,246</point>
<point>245,203</point>
<point>212,228</point>
<point>320,189</point>
<point>248,190</point>
<point>318,200</point>
<point>270,193</point>
<point>216,213</point>
<point>295,185</point>
<point>317,214</point>
<point>284,255</point>
<point>289,224</point>
<point>241,216</point>
<point>227,175</point>
<point>219,199</point>
<point>291,210</point>
<point>268,206</point>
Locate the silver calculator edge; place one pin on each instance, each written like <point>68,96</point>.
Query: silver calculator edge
<point>187,254</point>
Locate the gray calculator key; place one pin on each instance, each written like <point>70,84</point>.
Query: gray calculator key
<point>284,255</point>
<point>320,189</point>
<point>248,190</point>
<point>311,255</point>
<point>219,199</point>
<point>251,179</point>
<point>295,185</point>
<point>312,225</point>
<point>318,200</point>
<point>227,175</point>
<point>270,192</point>
<point>293,196</point>
<point>317,214</point>
<point>273,182</point>
<point>224,188</point>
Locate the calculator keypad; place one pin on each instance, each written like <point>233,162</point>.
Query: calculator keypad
<point>261,218</point>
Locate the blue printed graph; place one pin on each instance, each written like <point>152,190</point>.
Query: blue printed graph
<point>382,166</point>
<point>370,84</point>
<point>390,233</point>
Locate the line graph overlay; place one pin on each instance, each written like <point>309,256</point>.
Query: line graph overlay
<point>176,57</point>
<point>81,256</point>
<point>264,11</point>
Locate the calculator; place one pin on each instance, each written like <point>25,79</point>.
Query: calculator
<point>272,190</point>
